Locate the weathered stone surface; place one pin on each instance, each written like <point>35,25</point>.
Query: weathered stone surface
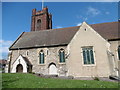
<point>51,56</point>
<point>86,36</point>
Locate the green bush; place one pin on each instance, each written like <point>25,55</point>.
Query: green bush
<point>96,78</point>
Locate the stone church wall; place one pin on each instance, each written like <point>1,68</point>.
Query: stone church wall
<point>86,37</point>
<point>114,48</point>
<point>51,56</point>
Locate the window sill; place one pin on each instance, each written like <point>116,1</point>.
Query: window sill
<point>62,63</point>
<point>89,65</point>
<point>41,64</point>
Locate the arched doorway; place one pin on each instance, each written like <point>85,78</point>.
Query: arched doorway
<point>19,68</point>
<point>52,69</point>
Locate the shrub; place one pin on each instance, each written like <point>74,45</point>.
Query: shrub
<point>96,78</point>
<point>32,72</point>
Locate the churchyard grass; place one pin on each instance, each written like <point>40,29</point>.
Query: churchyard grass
<point>20,80</point>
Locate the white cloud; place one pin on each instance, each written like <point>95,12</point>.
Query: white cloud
<point>4,45</point>
<point>58,26</point>
<point>4,49</point>
<point>81,18</point>
<point>79,24</point>
<point>93,11</point>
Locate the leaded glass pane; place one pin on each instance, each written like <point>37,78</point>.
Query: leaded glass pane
<point>84,57</point>
<point>41,58</point>
<point>62,56</point>
<point>88,55</point>
<point>92,57</point>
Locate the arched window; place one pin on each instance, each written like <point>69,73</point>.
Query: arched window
<point>41,56</point>
<point>38,23</point>
<point>62,55</point>
<point>119,52</point>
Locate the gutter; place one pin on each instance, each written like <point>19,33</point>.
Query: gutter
<point>117,39</point>
<point>38,47</point>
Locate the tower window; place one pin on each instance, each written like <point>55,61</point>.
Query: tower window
<point>62,55</point>
<point>88,56</point>
<point>119,52</point>
<point>41,56</point>
<point>38,23</point>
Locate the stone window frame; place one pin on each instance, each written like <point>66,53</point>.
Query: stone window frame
<point>93,56</point>
<point>63,50</point>
<point>41,52</point>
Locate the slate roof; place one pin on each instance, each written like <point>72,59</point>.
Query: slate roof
<point>108,30</point>
<point>62,36</point>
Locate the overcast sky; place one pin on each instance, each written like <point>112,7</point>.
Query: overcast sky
<point>16,17</point>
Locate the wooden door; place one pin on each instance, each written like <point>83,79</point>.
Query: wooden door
<point>19,68</point>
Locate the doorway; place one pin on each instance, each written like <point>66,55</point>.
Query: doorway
<point>52,69</point>
<point>19,68</point>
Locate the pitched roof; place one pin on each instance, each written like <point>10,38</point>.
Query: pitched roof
<point>61,36</point>
<point>107,30</point>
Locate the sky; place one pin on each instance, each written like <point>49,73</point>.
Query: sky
<point>16,17</point>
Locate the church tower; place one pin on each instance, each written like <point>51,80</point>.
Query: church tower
<point>41,20</point>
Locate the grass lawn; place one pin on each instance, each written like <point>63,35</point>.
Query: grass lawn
<point>32,81</point>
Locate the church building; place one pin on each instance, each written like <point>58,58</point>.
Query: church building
<point>88,50</point>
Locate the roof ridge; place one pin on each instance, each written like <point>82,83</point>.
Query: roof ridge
<point>73,27</point>
<point>17,39</point>
<point>53,29</point>
<point>105,23</point>
<point>66,27</point>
